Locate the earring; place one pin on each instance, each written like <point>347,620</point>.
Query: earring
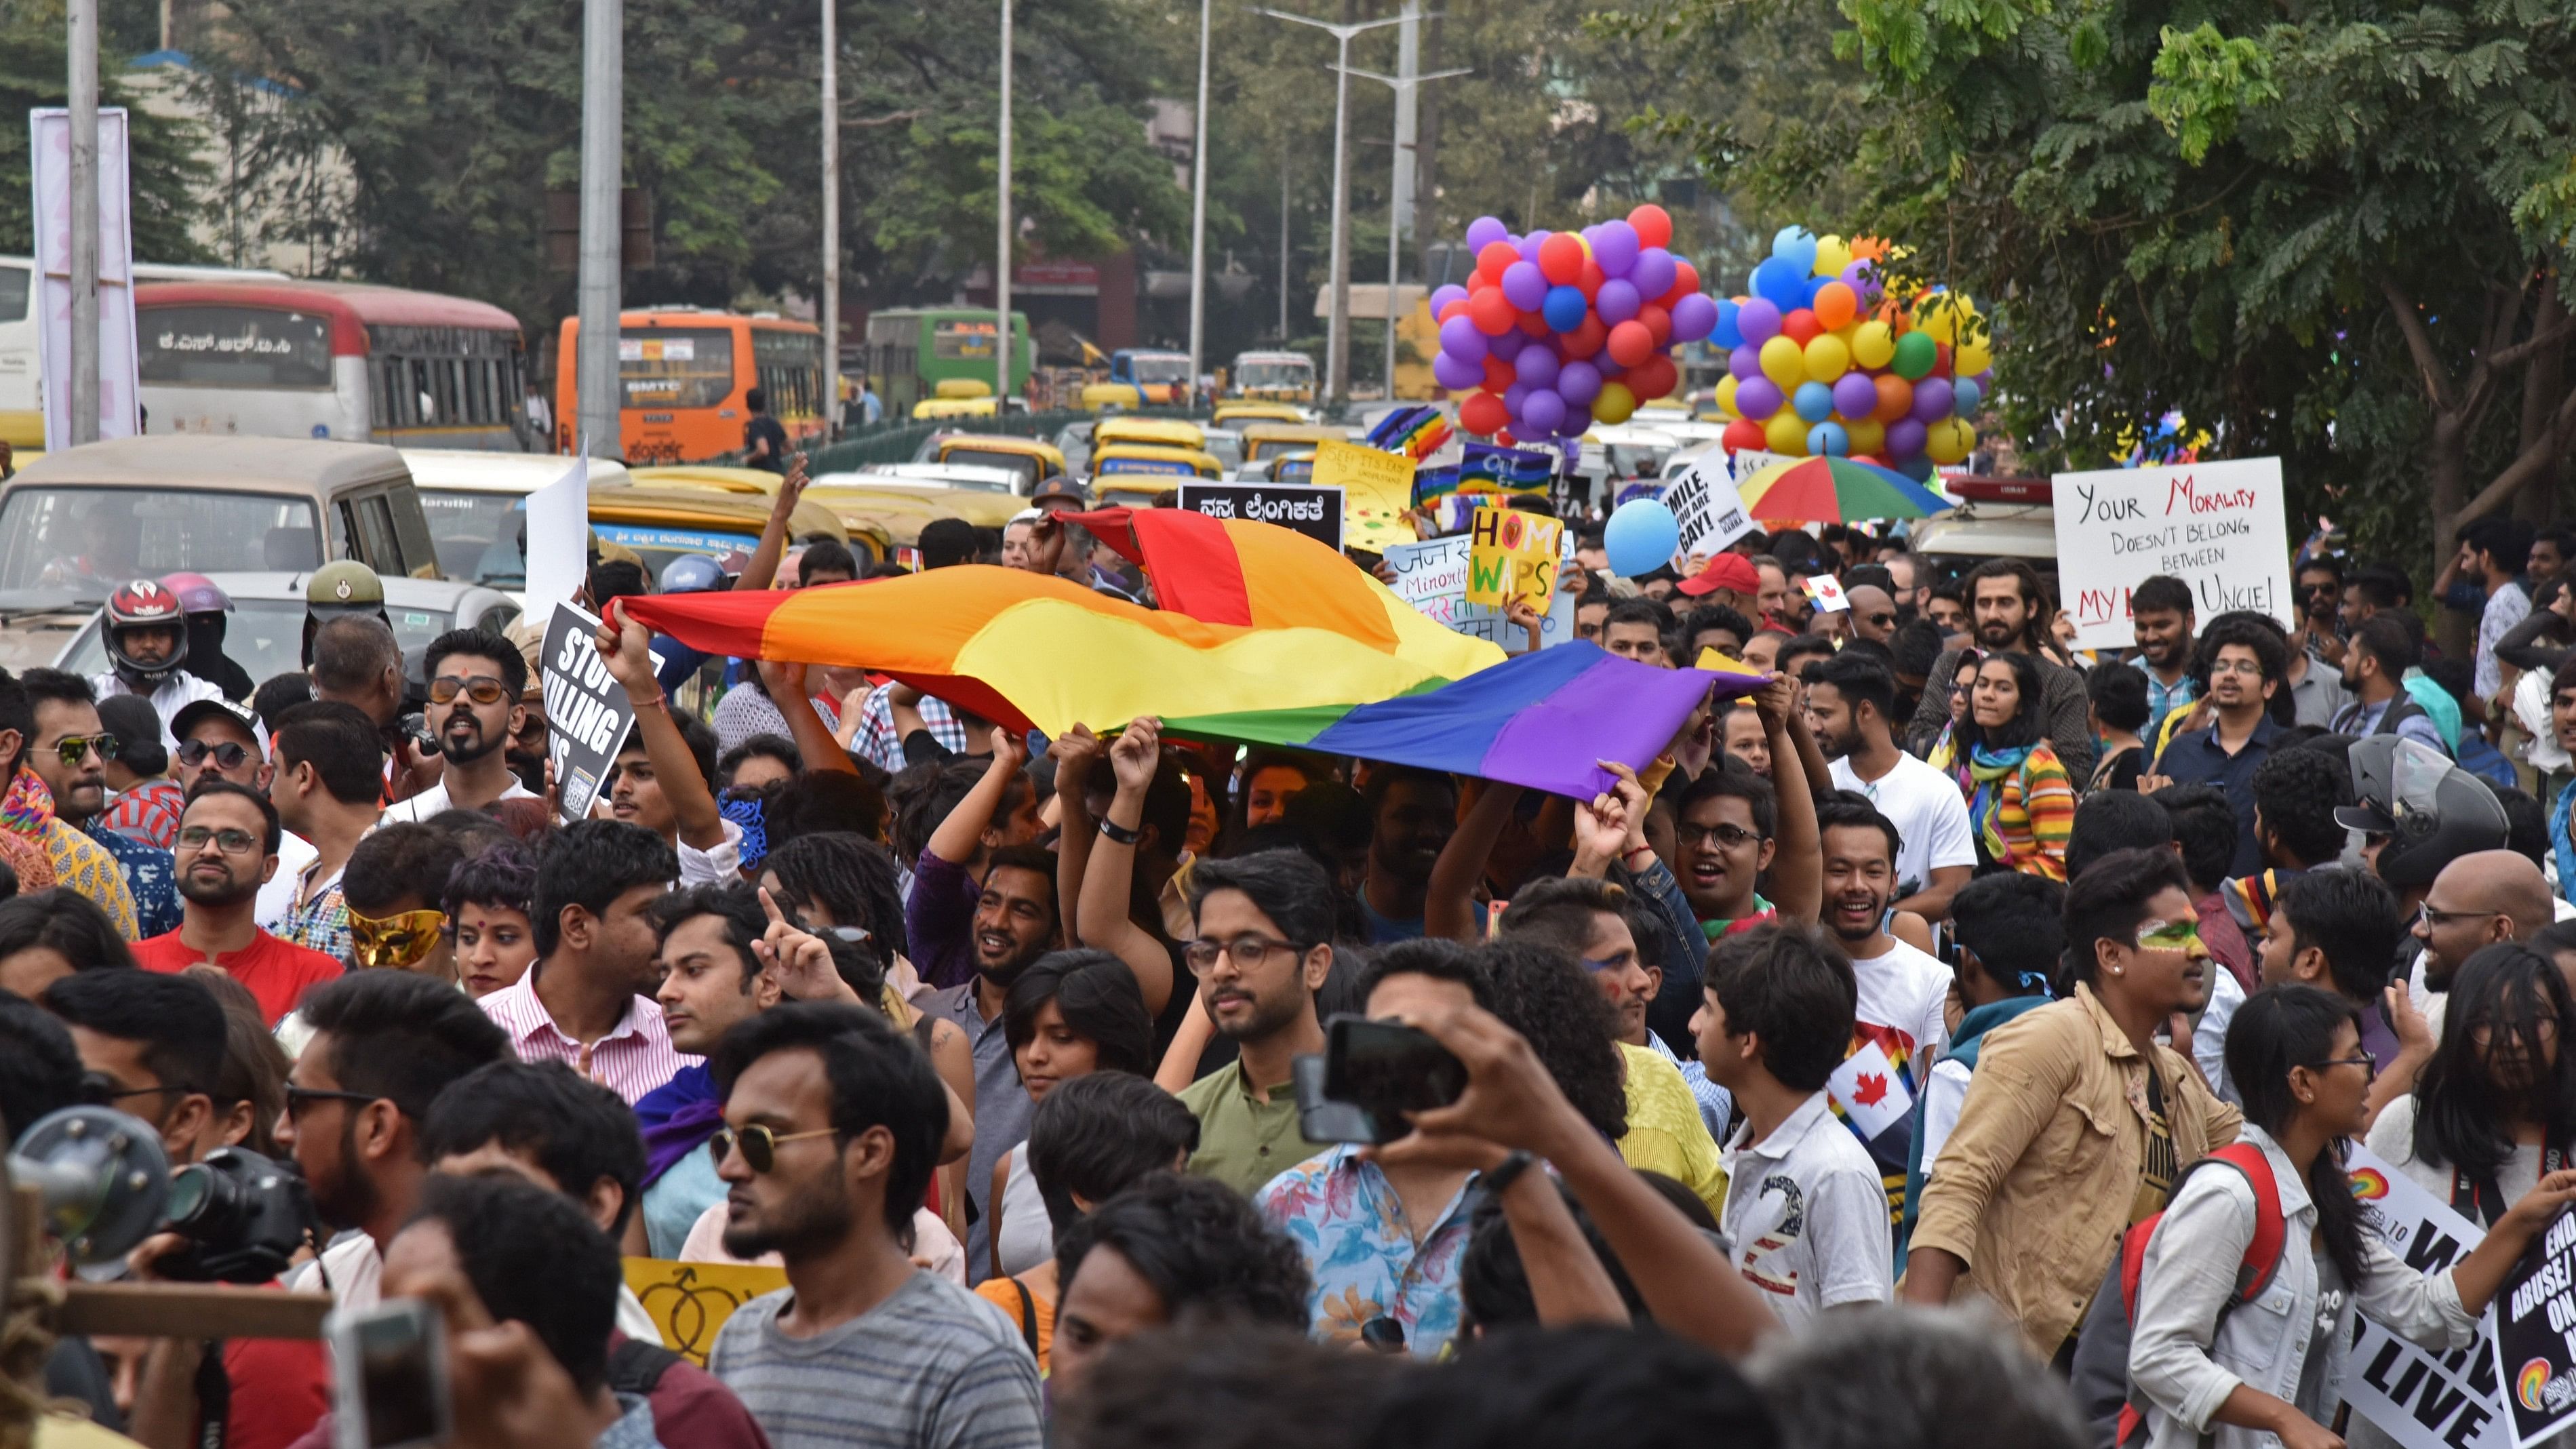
<point>2115,970</point>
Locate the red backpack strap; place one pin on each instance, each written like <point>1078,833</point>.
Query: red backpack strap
<point>2271,1230</point>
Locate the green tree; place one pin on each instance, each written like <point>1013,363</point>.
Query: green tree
<point>35,71</point>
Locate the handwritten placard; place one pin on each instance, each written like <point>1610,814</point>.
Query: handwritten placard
<point>1512,554</point>
<point>1432,577</point>
<point>1377,490</point>
<point>2218,527</point>
<point>690,1301</point>
<point>1314,512</point>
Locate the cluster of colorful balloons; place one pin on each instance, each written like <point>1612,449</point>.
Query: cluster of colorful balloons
<point>1822,361</point>
<point>1559,330</point>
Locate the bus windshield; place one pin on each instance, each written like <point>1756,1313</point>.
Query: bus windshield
<point>90,540</point>
<point>261,347</point>
<point>1022,464</point>
<point>957,341</point>
<point>1275,374</point>
<point>673,367</point>
<point>477,535</point>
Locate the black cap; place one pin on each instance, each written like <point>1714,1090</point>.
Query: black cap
<point>136,725</point>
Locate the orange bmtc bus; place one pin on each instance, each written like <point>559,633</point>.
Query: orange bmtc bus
<point>683,375</point>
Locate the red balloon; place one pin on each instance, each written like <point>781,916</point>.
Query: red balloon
<point>1741,434</point>
<point>1495,257</point>
<point>1659,322</point>
<point>1895,397</point>
<point>1534,324</point>
<point>1685,282</point>
<point>1498,373</point>
<point>1631,342</point>
<point>1941,354</point>
<point>1454,309</point>
<point>1654,225</point>
<point>1589,284</point>
<point>1655,377</point>
<point>1492,312</point>
<point>1585,340</point>
<point>1505,438</point>
<point>1483,413</point>
<point>1560,258</point>
<point>1799,326</point>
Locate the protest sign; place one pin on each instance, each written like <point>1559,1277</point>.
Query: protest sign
<point>1703,502</point>
<point>558,541</point>
<point>690,1301</point>
<point>1432,577</point>
<point>587,716</point>
<point>2215,526</point>
<point>1512,554</point>
<point>1314,512</point>
<point>1377,492</point>
<point>2533,1326</point>
<point>2424,1400</point>
<point>1827,593</point>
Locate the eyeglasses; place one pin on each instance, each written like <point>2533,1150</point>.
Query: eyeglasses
<point>759,1145</point>
<point>72,749</point>
<point>2253,667</point>
<point>1885,617</point>
<point>2544,1028</point>
<point>227,756</point>
<point>2434,919</point>
<point>101,1090</point>
<point>1732,837</point>
<point>194,838</point>
<point>2170,936</point>
<point>1249,950</point>
<point>397,940</point>
<point>2369,1068</point>
<point>297,1098</point>
<point>482,689</point>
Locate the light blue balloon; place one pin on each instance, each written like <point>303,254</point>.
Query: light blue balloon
<point>1797,246</point>
<point>1814,401</point>
<point>1641,537</point>
<point>1828,440</point>
<point>1966,397</point>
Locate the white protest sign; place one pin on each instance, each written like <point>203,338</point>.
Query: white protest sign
<point>2423,1400</point>
<point>559,537</point>
<point>1703,502</point>
<point>2216,526</point>
<point>1432,577</point>
<point>587,716</point>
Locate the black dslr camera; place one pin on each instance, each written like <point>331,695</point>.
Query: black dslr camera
<point>245,1218</point>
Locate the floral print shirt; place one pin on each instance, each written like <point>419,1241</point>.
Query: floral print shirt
<point>1346,1216</point>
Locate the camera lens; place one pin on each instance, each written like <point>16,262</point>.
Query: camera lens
<point>200,1199</point>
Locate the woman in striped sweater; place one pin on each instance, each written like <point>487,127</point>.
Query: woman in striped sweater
<point>2020,802</point>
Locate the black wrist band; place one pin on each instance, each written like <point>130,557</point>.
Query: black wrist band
<point>1506,1172</point>
<point>1120,834</point>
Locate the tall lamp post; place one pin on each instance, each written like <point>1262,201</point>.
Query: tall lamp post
<point>831,219</point>
<point>603,151</point>
<point>1403,86</point>
<point>1004,340</point>
<point>1198,206</point>
<point>1337,360</point>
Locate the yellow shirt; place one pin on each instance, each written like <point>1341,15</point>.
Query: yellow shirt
<point>1665,1133</point>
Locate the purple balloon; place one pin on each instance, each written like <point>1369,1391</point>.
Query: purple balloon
<point>1484,231</point>
<point>1529,245</point>
<point>1460,339</point>
<point>1456,373</point>
<point>1578,421</point>
<point>1932,400</point>
<point>1745,362</point>
<point>1524,285</point>
<point>1514,396</point>
<point>1694,317</point>
<point>1855,395</point>
<point>1904,437</point>
<point>1758,318</point>
<point>1578,382</point>
<point>1758,397</point>
<point>1543,410</point>
<point>1986,381</point>
<point>1509,345</point>
<point>1536,366</point>
<point>1615,247</point>
<point>1618,301</point>
<point>1653,273</point>
<point>1862,277</point>
<point>1441,298</point>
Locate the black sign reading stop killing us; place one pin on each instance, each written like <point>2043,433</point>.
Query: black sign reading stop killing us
<point>587,717</point>
<point>2535,1335</point>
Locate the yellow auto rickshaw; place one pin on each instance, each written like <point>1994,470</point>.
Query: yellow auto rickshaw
<point>744,496</point>
<point>1264,441</point>
<point>1154,432</point>
<point>1233,414</point>
<point>1135,475</point>
<point>1035,461</point>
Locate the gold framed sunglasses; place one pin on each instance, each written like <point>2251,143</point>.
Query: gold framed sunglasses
<point>396,941</point>
<point>759,1145</point>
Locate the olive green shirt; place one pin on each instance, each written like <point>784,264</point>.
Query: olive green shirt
<point>1244,1142</point>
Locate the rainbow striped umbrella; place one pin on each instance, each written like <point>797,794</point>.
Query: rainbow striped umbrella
<point>1835,490</point>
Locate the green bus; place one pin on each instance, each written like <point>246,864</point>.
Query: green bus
<point>912,350</point>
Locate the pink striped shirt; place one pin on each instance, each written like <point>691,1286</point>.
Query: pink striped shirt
<point>634,1059</point>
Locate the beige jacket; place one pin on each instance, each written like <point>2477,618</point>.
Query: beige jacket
<point>2034,1187</point>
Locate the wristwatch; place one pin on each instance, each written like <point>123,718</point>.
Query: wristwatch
<point>1506,1172</point>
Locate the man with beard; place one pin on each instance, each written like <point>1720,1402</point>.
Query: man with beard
<point>832,1120</point>
<point>1851,705</point>
<point>2160,619</point>
<point>942,919</point>
<point>384,1044</point>
<point>68,752</point>
<point>1263,948</point>
<point>1898,1025</point>
<point>582,1001</point>
<point>2008,610</point>
<point>475,678</point>
<point>227,847</point>
<point>1413,813</point>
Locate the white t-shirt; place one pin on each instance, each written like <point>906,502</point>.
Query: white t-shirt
<point>1943,1095</point>
<point>1930,816</point>
<point>433,801</point>
<point>1903,994</point>
<point>2209,1036</point>
<point>1807,1215</point>
<point>277,897</point>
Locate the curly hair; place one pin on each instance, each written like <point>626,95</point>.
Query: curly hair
<point>848,877</point>
<point>1541,993</point>
<point>1207,1253</point>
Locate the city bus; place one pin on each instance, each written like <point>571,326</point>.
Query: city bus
<point>685,376</point>
<point>911,350</point>
<point>22,418</point>
<point>341,360</point>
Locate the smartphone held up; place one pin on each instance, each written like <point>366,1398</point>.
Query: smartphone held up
<point>1372,1074</point>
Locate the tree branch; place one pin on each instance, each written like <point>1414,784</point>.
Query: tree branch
<point>2437,379</point>
<point>2528,462</point>
<point>2522,351</point>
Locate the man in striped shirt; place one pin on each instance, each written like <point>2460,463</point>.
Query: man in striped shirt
<point>583,1003</point>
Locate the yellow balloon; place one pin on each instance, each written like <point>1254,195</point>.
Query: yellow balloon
<point>1782,362</point>
<point>1726,396</point>
<point>1848,331</point>
<point>1874,344</point>
<point>1614,404</point>
<point>1937,317</point>
<point>1868,435</point>
<point>1827,358</point>
<point>1972,357</point>
<point>1832,255</point>
<point>1786,432</point>
<point>1949,440</point>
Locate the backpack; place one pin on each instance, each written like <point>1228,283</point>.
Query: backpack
<point>2101,1368</point>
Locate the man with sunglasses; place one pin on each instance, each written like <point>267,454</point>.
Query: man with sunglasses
<point>227,849</point>
<point>70,755</point>
<point>50,733</point>
<point>475,679</point>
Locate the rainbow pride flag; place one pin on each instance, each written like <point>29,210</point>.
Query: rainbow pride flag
<point>1416,432</point>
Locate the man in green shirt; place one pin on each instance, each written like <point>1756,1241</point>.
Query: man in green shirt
<point>1265,928</point>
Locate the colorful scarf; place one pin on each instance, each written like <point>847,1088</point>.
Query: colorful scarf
<point>678,1117</point>
<point>26,815</point>
<point>1983,778</point>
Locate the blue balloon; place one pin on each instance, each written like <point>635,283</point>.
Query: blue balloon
<point>1724,334</point>
<point>1796,246</point>
<point>1918,467</point>
<point>1781,284</point>
<point>1563,308</point>
<point>1815,285</point>
<point>1966,397</point>
<point>1828,440</point>
<point>1814,401</point>
<point>1641,537</point>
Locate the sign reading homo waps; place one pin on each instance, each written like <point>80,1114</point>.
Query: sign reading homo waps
<point>2215,526</point>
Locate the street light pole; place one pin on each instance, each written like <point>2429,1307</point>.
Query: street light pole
<point>84,179</point>
<point>1198,207</point>
<point>1004,340</point>
<point>603,148</point>
<point>1337,361</point>
<point>831,218</point>
<point>1404,87</point>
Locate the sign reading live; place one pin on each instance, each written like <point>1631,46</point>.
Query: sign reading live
<point>587,716</point>
<point>2533,1324</point>
<point>2422,1399</point>
<point>1314,512</point>
<point>2216,526</point>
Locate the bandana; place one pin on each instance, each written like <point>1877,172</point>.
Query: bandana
<point>678,1117</point>
<point>750,812</point>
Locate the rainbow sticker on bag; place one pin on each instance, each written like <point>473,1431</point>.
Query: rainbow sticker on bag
<point>2530,1384</point>
<point>2369,1185</point>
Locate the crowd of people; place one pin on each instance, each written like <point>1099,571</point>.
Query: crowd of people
<point>1815,1071</point>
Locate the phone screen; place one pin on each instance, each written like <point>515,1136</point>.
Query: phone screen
<point>397,1375</point>
<point>1387,1069</point>
<point>1321,1119</point>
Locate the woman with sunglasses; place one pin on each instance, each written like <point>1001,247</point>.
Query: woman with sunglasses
<point>2494,1109</point>
<point>1070,1014</point>
<point>2271,1370</point>
<point>2020,802</point>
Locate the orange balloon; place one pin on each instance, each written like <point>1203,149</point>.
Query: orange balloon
<point>1495,257</point>
<point>1868,248</point>
<point>1800,326</point>
<point>1631,342</point>
<point>1835,304</point>
<point>1895,397</point>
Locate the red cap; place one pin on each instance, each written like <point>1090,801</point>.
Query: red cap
<point>1726,571</point>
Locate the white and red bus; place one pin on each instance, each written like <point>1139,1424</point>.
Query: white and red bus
<point>345,360</point>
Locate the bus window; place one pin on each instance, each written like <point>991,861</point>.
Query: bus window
<point>666,367</point>
<point>15,283</point>
<point>234,347</point>
<point>963,340</point>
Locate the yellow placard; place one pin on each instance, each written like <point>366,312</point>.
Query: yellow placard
<point>1377,493</point>
<point>1511,555</point>
<point>690,1301</point>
